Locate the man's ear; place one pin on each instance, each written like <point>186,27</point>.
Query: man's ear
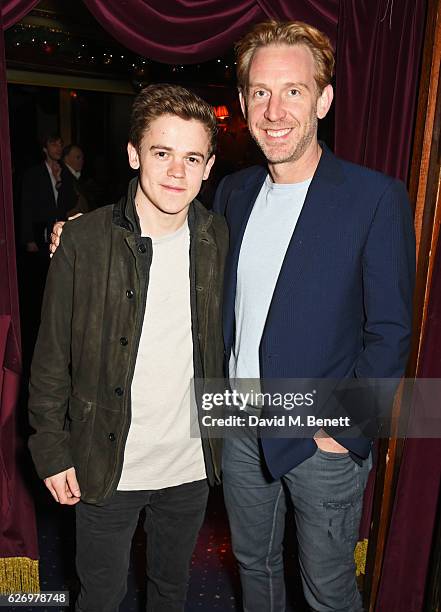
<point>324,101</point>
<point>208,167</point>
<point>133,156</point>
<point>243,103</point>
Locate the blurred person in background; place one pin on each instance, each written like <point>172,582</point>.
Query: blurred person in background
<point>73,189</point>
<point>41,200</point>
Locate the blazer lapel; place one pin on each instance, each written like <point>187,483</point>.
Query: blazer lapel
<point>316,217</point>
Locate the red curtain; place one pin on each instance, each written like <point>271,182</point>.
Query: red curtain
<point>190,31</point>
<point>14,10</point>
<point>18,534</point>
<point>414,516</point>
<point>378,59</point>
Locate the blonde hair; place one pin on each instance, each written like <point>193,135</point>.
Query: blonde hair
<point>286,33</point>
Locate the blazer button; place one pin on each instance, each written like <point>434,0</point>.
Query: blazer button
<point>130,293</point>
<point>123,341</point>
<point>142,248</point>
<point>119,391</point>
<point>112,437</point>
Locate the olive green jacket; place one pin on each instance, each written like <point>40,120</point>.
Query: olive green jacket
<point>92,316</point>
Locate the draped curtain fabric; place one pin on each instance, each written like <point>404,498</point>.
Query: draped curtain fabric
<point>190,31</point>
<point>18,534</point>
<point>414,517</point>
<point>378,57</point>
<point>14,10</point>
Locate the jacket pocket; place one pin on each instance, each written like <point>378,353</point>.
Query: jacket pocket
<point>107,452</point>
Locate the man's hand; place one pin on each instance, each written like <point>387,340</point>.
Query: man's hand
<point>328,444</point>
<point>56,233</point>
<point>55,236</point>
<point>64,487</point>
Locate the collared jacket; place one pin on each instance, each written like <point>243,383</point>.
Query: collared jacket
<point>92,317</point>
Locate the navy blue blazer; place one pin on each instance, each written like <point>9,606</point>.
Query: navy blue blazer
<point>342,305</point>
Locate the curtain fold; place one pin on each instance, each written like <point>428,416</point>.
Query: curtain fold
<point>14,10</point>
<point>378,58</point>
<point>179,31</point>
<point>18,533</point>
<point>414,517</point>
<point>191,31</point>
<point>323,15</point>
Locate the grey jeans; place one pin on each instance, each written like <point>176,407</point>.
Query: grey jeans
<point>327,494</point>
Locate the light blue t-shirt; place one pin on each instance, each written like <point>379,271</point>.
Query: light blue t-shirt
<point>265,242</point>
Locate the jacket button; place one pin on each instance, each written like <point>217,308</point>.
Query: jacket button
<point>142,248</point>
<point>119,391</point>
<point>123,341</point>
<point>130,293</point>
<point>112,437</point>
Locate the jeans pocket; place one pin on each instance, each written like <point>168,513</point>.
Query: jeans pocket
<point>331,455</point>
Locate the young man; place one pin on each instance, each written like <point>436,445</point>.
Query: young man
<point>41,202</point>
<point>131,313</point>
<point>318,284</point>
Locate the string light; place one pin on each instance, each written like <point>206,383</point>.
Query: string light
<point>50,41</point>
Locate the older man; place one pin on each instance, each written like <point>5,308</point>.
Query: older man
<point>319,283</point>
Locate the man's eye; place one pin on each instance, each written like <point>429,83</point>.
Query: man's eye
<point>294,92</point>
<point>260,93</point>
<point>193,160</point>
<point>161,154</point>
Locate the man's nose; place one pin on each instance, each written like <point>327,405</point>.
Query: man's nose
<point>176,168</point>
<point>275,110</point>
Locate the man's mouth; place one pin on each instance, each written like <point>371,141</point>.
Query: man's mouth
<point>278,133</point>
<point>173,188</point>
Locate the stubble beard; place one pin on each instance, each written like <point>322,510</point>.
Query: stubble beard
<point>283,157</point>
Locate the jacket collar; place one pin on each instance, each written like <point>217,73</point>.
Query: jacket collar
<point>124,211</point>
<point>329,169</point>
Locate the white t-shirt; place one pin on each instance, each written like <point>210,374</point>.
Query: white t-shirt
<point>265,242</point>
<point>159,452</point>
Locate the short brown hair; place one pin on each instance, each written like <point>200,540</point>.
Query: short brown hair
<point>286,33</point>
<point>164,99</point>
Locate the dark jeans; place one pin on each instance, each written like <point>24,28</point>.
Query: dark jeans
<point>104,536</point>
<point>327,494</point>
